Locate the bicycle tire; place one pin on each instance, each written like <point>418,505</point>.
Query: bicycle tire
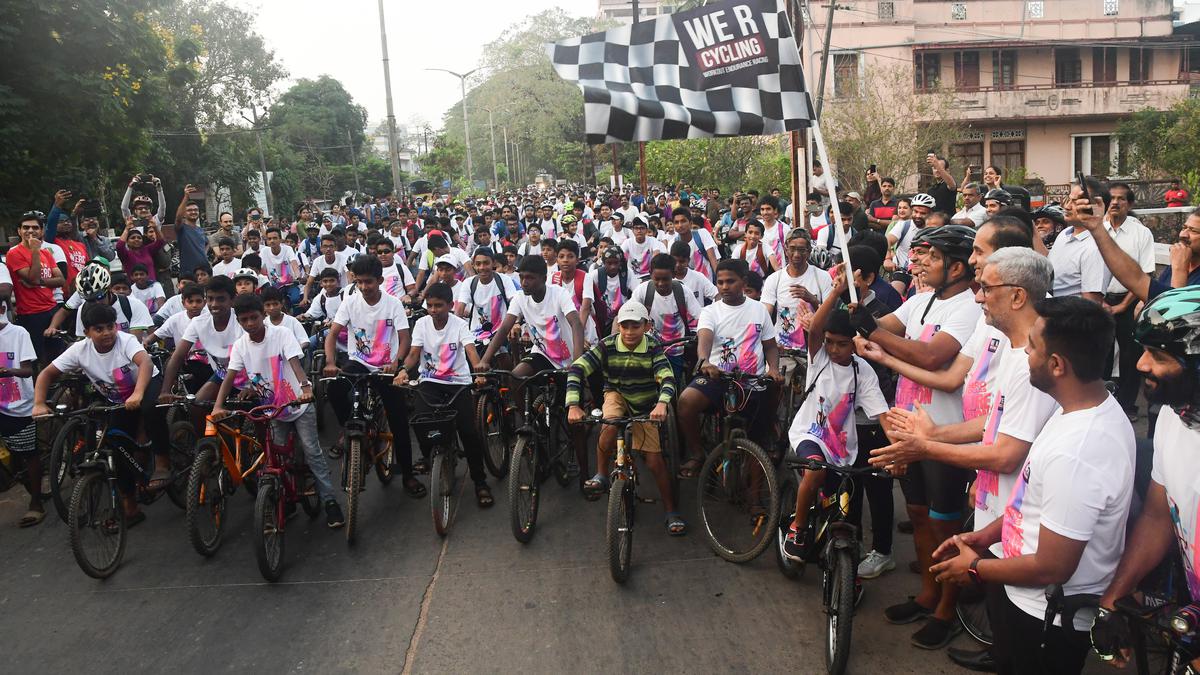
<point>669,437</point>
<point>839,616</point>
<point>249,457</point>
<point>441,491</point>
<point>725,485</point>
<point>385,462</point>
<point>306,486</point>
<point>618,535</point>
<point>269,530</point>
<point>354,482</point>
<point>489,417</point>
<point>318,388</point>
<point>206,499</point>
<point>787,506</point>
<point>523,490</point>
<point>96,508</point>
<point>183,446</point>
<point>64,455</point>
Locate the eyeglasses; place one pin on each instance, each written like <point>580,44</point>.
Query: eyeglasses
<point>988,289</point>
<point>798,249</point>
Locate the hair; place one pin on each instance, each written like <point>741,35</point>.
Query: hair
<point>118,279</point>
<point>252,260</point>
<point>327,273</point>
<point>367,266</point>
<point>437,241</point>
<point>252,232</point>
<point>1078,330</point>
<point>1009,230</point>
<point>798,233</point>
<point>738,267</point>
<point>97,313</point>
<point>220,284</point>
<point>191,290</point>
<point>996,170</point>
<point>906,200</point>
<point>814,196</point>
<point>1128,190</point>
<point>328,238</point>
<point>274,230</point>
<point>757,224</point>
<point>226,241</point>
<point>202,267</point>
<point>439,291</point>
<point>485,252</point>
<point>532,264</point>
<point>865,259</point>
<point>662,261</point>
<point>754,281</point>
<point>1025,268</point>
<point>887,179</point>
<point>838,323</point>
<point>771,201</point>
<point>139,267</point>
<point>845,208</point>
<point>682,211</point>
<point>270,293</point>
<point>972,186</point>
<point>549,241</point>
<point>251,302</point>
<point>874,239</point>
<point>683,249</point>
<point>568,245</point>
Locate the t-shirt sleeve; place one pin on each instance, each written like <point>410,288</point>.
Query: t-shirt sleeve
<point>1026,409</point>
<point>710,289</point>
<point>694,308</point>
<point>292,350</point>
<point>706,238</point>
<point>237,357</point>
<point>961,323</point>
<point>298,332</point>
<point>1073,495</point>
<point>464,334</point>
<point>418,332</point>
<point>768,332</point>
<point>141,315</point>
<point>708,319</point>
<point>566,305</point>
<point>589,285</point>
<point>191,333</point>
<point>770,291</point>
<point>1158,472</point>
<point>399,318</point>
<point>342,317</point>
<point>130,346</point>
<point>74,302</point>
<point>167,330</point>
<point>870,396</point>
<point>70,359</point>
<point>974,346</point>
<point>906,308</point>
<point>516,306</point>
<point>25,350</point>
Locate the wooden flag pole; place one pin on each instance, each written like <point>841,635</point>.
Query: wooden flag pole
<point>842,240</point>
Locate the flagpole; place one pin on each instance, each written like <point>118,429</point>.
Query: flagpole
<point>797,139</point>
<point>842,240</point>
<point>641,144</point>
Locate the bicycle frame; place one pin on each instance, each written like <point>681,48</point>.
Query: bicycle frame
<point>232,459</point>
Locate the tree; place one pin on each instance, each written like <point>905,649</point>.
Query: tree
<point>1160,143</point>
<point>703,162</point>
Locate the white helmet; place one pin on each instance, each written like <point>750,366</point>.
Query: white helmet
<point>923,199</point>
<point>93,281</point>
<point>246,273</point>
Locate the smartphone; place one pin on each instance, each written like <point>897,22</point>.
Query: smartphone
<point>1083,185</point>
<point>871,169</point>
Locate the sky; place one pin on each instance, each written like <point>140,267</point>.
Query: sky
<point>341,39</point>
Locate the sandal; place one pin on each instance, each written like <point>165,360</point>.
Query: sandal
<point>595,487</point>
<point>421,467</point>
<point>160,479</point>
<point>483,496</point>
<point>414,487</point>
<point>690,469</point>
<point>676,526</point>
<point>32,517</point>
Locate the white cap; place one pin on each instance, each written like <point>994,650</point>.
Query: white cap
<point>633,311</point>
<point>446,259</point>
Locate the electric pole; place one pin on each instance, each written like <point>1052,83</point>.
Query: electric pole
<point>354,164</point>
<point>507,165</point>
<point>462,79</point>
<point>262,162</point>
<point>393,151</point>
<point>825,59</point>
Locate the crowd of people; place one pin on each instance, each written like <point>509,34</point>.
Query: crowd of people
<point>974,364</point>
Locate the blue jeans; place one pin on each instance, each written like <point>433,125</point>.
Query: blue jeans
<point>306,435</point>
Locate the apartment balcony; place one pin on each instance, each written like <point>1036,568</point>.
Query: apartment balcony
<point>1083,99</point>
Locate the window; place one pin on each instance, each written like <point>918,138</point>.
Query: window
<point>846,75</point>
<point>927,69</point>
<point>887,10</point>
<point>1098,155</point>
<point>1068,68</point>
<point>964,154</point>
<point>1110,7</point>
<point>1008,154</point>
<point>1036,9</point>
<point>1141,62</point>
<point>958,11</point>
<point>1104,64</point>
<point>1004,68</point>
<point>966,71</point>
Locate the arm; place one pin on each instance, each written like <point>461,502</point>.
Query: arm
<point>414,355</point>
<point>41,389</point>
<point>935,354</point>
<point>24,370</point>
<point>223,393</point>
<point>125,212</point>
<point>405,337</point>
<point>498,339</point>
<point>56,321</point>
<point>816,330</point>
<point>162,202</point>
<point>335,329</point>
<point>145,371</point>
<point>182,349</point>
<point>1054,562</point>
<point>939,170</point>
<point>1006,455</point>
<point>1124,268</point>
<point>947,379</point>
<point>579,370</point>
<point>1152,537</point>
<point>576,325</point>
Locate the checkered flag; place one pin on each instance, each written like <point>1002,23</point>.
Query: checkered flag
<point>725,69</point>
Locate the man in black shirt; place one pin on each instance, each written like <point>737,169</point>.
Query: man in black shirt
<point>945,190</point>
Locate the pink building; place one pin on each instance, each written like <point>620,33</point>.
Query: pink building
<point>1044,83</point>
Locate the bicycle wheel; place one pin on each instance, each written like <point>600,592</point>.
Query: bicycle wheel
<point>65,452</point>
<point>618,535</point>
<point>183,445</point>
<point>268,529</point>
<point>354,481</point>
<point>839,616</point>
<point>489,417</point>
<point>669,436</point>
<point>310,501</point>
<point>385,460</point>
<point>738,500</point>
<point>441,490</point>
<point>206,498</point>
<point>97,524</point>
<point>787,512</point>
<point>523,490</point>
<point>318,387</point>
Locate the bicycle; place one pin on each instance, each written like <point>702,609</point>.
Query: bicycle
<point>793,382</point>
<point>622,496</point>
<point>315,365</point>
<point>437,426</point>
<point>835,549</point>
<point>737,487</point>
<point>495,418</point>
<point>368,442</point>
<point>217,472</point>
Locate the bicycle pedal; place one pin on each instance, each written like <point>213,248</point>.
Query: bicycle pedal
<point>647,500</point>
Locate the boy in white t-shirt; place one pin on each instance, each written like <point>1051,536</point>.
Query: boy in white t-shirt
<point>484,298</point>
<point>143,288</point>
<point>328,260</point>
<point>269,357</point>
<point>641,248</point>
<point>273,306</point>
<point>17,359</point>
<point>216,331</point>
<point>702,248</point>
<point>227,263</point>
<point>171,331</point>
<point>442,355</point>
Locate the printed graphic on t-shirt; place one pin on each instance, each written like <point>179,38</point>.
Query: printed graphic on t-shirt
<point>976,397</point>
<point>488,317</point>
<point>791,331</point>
<point>830,426</point>
<point>375,347</point>
<point>739,354</point>
<point>277,390</point>
<point>548,339</point>
<point>198,353</point>
<point>10,391</point>
<point>700,262</point>
<point>440,365</point>
<point>1012,535</point>
<point>909,393</point>
<point>222,367</point>
<point>1188,550</point>
<point>672,329</point>
<point>123,382</point>
<point>280,274</point>
<point>643,266</point>
<point>394,286</point>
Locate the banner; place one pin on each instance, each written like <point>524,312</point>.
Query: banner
<point>725,69</point>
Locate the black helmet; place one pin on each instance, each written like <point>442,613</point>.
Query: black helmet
<point>955,242</point>
<point>997,194</point>
<point>1052,211</point>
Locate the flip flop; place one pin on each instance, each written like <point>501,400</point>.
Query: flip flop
<point>414,488</point>
<point>31,518</point>
<point>676,526</point>
<point>690,469</point>
<point>160,479</point>
<point>595,487</point>
<point>483,497</point>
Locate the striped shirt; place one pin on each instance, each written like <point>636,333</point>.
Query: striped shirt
<point>642,376</point>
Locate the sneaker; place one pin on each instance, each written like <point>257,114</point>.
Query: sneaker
<point>794,547</point>
<point>875,564</point>
<point>936,633</point>
<point>333,515</point>
<point>906,612</point>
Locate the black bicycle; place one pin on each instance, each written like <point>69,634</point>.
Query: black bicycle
<point>437,427</point>
<point>495,417</point>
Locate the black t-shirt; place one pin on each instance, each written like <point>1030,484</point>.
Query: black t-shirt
<point>945,198</point>
<point>881,211</point>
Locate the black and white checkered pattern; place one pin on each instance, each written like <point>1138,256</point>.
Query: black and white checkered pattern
<point>638,86</point>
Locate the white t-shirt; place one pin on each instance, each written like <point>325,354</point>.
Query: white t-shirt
<point>640,255</point>
<point>986,349</point>
<point>547,323</point>
<point>149,295</point>
<point>173,305</point>
<point>619,237</point>
<point>977,214</point>
<point>1018,410</point>
<point>396,280</point>
<point>461,259</point>
<point>614,295</point>
<point>903,241</point>
<point>227,268</point>
<point>700,286</point>
<point>775,239</point>
<point>16,393</point>
<point>957,316</point>
<point>699,259</point>
<point>1077,482</point>
<point>113,374</point>
<point>752,258</point>
<point>1177,469</point>
<point>549,228</point>
<point>487,305</point>
<point>267,369</point>
<point>665,315</point>
<point>738,333</point>
<point>373,331</point>
<point>140,319</point>
<point>216,343</point>
<point>173,328</point>
<point>319,264</point>
<point>278,266</point>
<point>788,308</point>
<point>827,415</point>
<point>443,352</point>
<point>290,324</point>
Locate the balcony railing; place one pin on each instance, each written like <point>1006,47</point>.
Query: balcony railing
<point>1054,85</point>
<point>1049,99</point>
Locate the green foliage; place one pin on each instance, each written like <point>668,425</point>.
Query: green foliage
<point>1162,143</point>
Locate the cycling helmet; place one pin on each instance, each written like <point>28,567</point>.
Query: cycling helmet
<point>141,199</point>
<point>999,195</point>
<point>1052,211</point>
<point>923,199</point>
<point>921,238</point>
<point>955,243</point>
<point>93,281</point>
<point>569,219</point>
<point>1171,323</point>
<point>246,273</point>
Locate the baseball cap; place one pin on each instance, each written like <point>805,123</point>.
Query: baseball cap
<point>616,215</point>
<point>633,311</point>
<point>446,259</point>
<point>854,195</point>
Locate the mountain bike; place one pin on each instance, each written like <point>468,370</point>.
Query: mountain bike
<point>227,457</point>
<point>315,365</point>
<point>495,416</point>
<point>438,428</point>
<point>737,492</point>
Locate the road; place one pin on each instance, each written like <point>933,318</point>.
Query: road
<point>405,600</point>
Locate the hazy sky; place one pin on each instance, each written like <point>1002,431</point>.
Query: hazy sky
<point>340,38</point>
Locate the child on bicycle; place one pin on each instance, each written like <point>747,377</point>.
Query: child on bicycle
<point>17,359</point>
<point>269,356</point>
<point>638,380</point>
<point>121,371</point>
<point>171,331</point>
<point>837,382</point>
<point>443,353</point>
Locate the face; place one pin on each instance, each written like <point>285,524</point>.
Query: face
<point>226,221</point>
<point>329,285</point>
<point>993,206</point>
<point>970,196</point>
<point>218,302</point>
<point>192,212</point>
<point>662,280</point>
<point>274,240</point>
<point>328,248</point>
<point>484,266</point>
<point>1042,364</point>
<point>767,212</point>
<point>798,250</point>
<point>274,309</point>
<point>753,236</point>
<point>549,255</point>
<point>202,277</point>
<point>681,265</point>
<point>437,308</point>
<point>254,239</point>
<point>567,261</point>
<point>839,347</point>
<point>120,289</point>
<point>386,254</point>
<point>612,266</point>
<point>444,273</point>
<point>632,332</point>
<point>934,267</point>
<point>103,336</point>
<point>1044,226</point>
<point>730,285</point>
<point>134,240</point>
<point>139,277</point>
<point>1164,380</point>
<point>683,224</point>
<point>887,188</point>
<point>369,286</point>
<point>252,323</point>
<point>903,210</point>
<point>532,282</point>
<point>141,211</point>
<point>920,213</point>
<point>997,301</point>
<point>990,176</point>
<point>244,286</point>
<point>1190,235</point>
<point>192,304</point>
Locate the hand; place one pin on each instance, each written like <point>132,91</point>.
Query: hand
<point>133,402</point>
<point>955,569</point>
<point>869,350</point>
<point>1181,256</point>
<point>948,548</point>
<point>864,324</point>
<point>839,279</point>
<point>481,382</point>
<point>330,370</point>
<point>219,413</point>
<point>167,397</point>
<point>889,265</point>
<point>49,332</point>
<point>916,422</point>
<point>306,394</point>
<point>799,291</point>
<point>61,197</point>
<point>401,378</point>
<point>710,370</point>
<point>774,374</point>
<point>189,189</point>
<point>659,414</point>
<point>575,415</point>
<point>40,409</point>
<point>1088,213</point>
<point>31,241</point>
<point>388,369</point>
<point>305,303</point>
<point>906,449</point>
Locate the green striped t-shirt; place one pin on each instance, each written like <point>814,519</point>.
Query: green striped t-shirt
<point>643,376</point>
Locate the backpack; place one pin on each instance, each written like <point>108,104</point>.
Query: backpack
<point>475,286</point>
<point>601,287</point>
<point>680,302</point>
<point>125,308</point>
<point>580,275</point>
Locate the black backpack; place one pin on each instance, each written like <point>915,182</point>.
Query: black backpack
<point>475,286</point>
<point>678,291</point>
<point>602,318</point>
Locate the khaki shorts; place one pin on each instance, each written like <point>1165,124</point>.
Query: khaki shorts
<point>645,434</point>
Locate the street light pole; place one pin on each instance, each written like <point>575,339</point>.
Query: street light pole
<point>492,132</point>
<point>393,151</point>
<point>354,164</point>
<point>507,165</point>
<point>262,162</point>
<point>462,78</point>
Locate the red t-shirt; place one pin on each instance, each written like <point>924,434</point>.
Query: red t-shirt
<point>1177,197</point>
<point>77,256</point>
<point>31,299</point>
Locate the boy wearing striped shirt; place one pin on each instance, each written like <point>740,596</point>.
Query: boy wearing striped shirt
<point>637,379</point>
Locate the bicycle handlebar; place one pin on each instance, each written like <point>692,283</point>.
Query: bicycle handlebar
<point>818,465</point>
<point>89,410</point>
<point>593,418</point>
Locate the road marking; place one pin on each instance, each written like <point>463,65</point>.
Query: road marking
<point>410,655</point>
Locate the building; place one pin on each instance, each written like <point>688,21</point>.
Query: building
<point>379,143</point>
<point>622,10</point>
<point>1043,83</point>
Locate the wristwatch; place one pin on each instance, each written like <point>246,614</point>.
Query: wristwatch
<point>973,571</point>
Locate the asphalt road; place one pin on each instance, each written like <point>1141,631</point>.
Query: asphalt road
<point>404,600</point>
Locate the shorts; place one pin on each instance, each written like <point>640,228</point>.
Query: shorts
<point>20,433</point>
<point>758,411</point>
<point>539,362</point>
<point>645,434</point>
<point>939,486</point>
